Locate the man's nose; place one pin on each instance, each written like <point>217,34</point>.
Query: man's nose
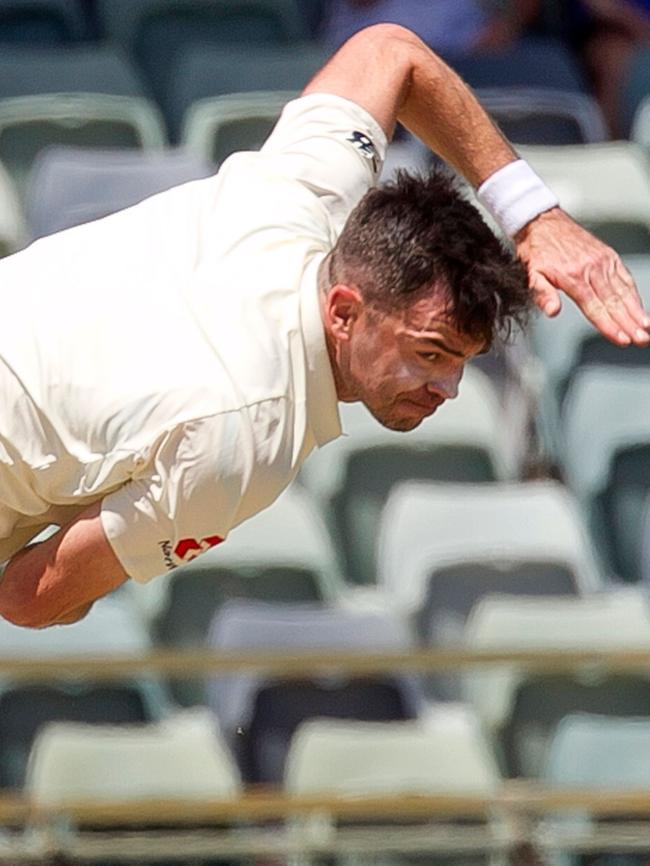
<point>447,387</point>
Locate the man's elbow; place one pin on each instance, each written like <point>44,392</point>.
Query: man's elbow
<point>387,34</point>
<point>25,615</point>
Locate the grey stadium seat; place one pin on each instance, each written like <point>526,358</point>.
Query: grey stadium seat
<point>258,714</point>
<point>89,97</point>
<point>156,31</point>
<point>69,186</point>
<point>204,71</point>
<point>108,631</point>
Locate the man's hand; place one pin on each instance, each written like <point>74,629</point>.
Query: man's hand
<point>562,257</point>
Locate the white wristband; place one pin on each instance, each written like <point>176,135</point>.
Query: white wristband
<point>515,195</point>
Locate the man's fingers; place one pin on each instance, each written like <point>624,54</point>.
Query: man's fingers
<point>623,279</point>
<point>601,317</point>
<point>546,295</point>
<point>615,289</point>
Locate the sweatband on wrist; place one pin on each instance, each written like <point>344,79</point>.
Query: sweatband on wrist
<point>515,195</point>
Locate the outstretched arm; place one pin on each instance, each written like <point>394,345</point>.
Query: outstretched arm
<point>392,74</point>
<point>57,581</point>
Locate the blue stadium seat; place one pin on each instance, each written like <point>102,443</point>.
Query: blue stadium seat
<point>204,71</point>
<point>533,115</point>
<point>41,22</point>
<point>534,62</point>
<point>156,31</point>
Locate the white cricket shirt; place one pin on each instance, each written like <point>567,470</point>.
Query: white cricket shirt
<point>170,359</point>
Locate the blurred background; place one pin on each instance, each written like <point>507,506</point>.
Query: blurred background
<point>515,522</point>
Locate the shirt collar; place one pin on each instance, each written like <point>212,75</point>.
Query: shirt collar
<point>322,401</point>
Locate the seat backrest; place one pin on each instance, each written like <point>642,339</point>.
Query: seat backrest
<point>70,186</point>
<point>123,21</point>
<point>182,757</point>
<point>540,116</point>
<point>82,69</point>
<point>157,31</point>
<point>593,436</point>
<point>533,62</point>
<point>41,22</point>
<point>257,626</point>
<point>607,620</point>
<point>109,630</point>
<point>600,751</point>
<point>447,754</point>
<point>217,127</point>
<point>25,710</point>
<point>13,230</point>
<point>541,703</point>
<point>205,71</point>
<point>598,183</point>
<point>259,714</point>
<point>426,527</point>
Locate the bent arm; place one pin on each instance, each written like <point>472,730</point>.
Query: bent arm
<point>391,73</point>
<point>57,581</point>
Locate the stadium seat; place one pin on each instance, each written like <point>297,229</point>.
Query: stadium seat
<point>204,71</point>
<point>282,554</point>
<point>181,758</point>
<point>591,751</point>
<point>447,755</point>
<point>41,22</point>
<point>569,342</point>
<point>87,97</point>
<point>13,231</point>
<point>258,714</point>
<point>215,128</point>
<point>155,32</point>
<point>606,458</point>
<point>636,88</point>
<point>108,631</point>
<point>606,187</point>
<point>533,62</point>
<point>523,710</point>
<point>528,115</point>
<point>70,185</point>
<point>443,546</point>
<point>466,441</point>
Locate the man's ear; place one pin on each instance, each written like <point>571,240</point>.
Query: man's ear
<point>343,305</point>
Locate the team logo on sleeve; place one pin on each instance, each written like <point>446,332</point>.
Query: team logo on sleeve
<point>187,549</point>
<point>365,147</point>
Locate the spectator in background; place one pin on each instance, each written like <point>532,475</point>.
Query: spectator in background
<point>453,28</point>
<point>607,34</point>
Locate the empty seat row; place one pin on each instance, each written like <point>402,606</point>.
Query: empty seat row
<point>256,715</point>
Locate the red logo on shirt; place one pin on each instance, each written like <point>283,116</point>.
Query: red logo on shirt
<point>189,548</point>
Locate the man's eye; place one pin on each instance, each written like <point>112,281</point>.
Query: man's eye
<point>429,356</point>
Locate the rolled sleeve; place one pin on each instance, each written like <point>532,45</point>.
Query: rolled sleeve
<point>183,503</point>
<point>332,146</point>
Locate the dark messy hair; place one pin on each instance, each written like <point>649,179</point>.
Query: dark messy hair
<point>417,231</point>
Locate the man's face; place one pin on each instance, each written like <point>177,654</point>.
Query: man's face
<point>404,365</point>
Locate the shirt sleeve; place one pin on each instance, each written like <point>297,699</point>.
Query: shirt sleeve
<point>332,146</point>
<point>183,503</point>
